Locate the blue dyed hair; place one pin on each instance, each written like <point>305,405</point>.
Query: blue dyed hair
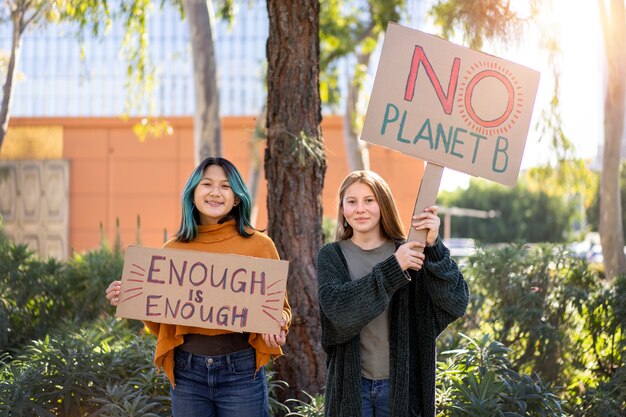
<point>188,229</point>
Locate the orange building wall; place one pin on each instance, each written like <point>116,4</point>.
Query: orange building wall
<point>115,176</point>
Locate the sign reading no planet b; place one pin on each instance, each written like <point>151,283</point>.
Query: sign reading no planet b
<point>451,105</point>
<point>201,289</point>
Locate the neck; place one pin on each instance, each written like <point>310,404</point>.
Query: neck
<point>368,241</point>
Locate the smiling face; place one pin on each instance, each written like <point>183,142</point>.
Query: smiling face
<point>361,210</point>
<point>213,196</point>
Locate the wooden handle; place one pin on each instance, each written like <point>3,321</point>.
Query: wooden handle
<point>426,197</point>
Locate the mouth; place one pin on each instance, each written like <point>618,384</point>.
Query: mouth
<point>214,203</point>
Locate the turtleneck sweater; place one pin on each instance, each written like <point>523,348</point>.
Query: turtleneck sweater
<point>216,238</point>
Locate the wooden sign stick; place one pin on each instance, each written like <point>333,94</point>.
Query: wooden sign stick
<point>426,197</point>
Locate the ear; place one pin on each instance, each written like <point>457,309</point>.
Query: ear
<point>237,201</point>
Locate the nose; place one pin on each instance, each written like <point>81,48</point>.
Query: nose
<point>360,207</point>
<point>214,190</point>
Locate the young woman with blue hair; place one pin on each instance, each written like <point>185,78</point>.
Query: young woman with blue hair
<point>216,372</point>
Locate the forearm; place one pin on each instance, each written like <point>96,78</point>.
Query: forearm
<point>349,305</point>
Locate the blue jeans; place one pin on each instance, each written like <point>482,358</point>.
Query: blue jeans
<point>219,386</point>
<point>375,397</point>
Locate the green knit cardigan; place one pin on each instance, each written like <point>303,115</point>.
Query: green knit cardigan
<point>421,308</point>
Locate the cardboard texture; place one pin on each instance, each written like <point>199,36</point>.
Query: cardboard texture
<point>426,197</point>
<point>451,105</point>
<point>201,289</point>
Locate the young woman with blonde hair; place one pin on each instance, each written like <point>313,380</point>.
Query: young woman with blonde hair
<point>383,302</point>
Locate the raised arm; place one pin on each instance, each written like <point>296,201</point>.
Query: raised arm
<point>445,284</point>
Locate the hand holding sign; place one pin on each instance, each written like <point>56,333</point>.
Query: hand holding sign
<point>200,289</point>
<point>427,222</point>
<point>113,292</point>
<point>450,106</point>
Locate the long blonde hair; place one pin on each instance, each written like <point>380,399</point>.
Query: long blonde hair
<point>391,225</point>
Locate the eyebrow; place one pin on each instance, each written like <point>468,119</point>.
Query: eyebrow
<point>351,196</point>
<point>213,179</point>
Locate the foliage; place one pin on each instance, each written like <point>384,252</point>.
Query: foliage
<point>28,290</point>
<point>481,21</point>
<point>312,407</point>
<point>349,27</point>
<point>273,386</point>
<point>102,369</point>
<point>571,177</point>
<point>525,215</point>
<point>527,297</point>
<point>557,316</point>
<point>599,389</point>
<point>607,400</point>
<point>479,380</point>
<point>35,293</point>
<point>329,225</point>
<point>570,180</point>
<point>593,212</point>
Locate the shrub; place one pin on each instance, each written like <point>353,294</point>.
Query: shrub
<point>530,298</point>
<point>478,380</point>
<point>36,293</point>
<point>80,371</point>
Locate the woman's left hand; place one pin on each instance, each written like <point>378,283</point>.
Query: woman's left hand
<point>276,340</point>
<point>428,220</point>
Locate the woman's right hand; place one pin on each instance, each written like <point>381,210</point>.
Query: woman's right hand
<point>409,257</point>
<point>113,292</point>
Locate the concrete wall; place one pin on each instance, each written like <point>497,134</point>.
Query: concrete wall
<point>34,203</point>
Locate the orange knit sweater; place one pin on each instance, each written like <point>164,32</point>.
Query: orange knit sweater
<point>219,238</point>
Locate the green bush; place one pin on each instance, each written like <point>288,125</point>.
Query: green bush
<point>479,380</point>
<point>312,407</point>
<point>558,316</point>
<point>102,369</point>
<point>35,294</point>
<point>525,215</point>
<point>530,298</point>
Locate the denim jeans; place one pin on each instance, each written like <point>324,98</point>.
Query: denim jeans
<point>219,386</point>
<point>375,397</point>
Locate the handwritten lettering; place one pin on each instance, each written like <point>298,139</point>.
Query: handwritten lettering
<point>176,309</point>
<point>451,140</point>
<point>240,280</point>
<point>420,58</point>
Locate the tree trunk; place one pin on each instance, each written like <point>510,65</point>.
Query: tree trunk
<point>17,18</point>
<point>614,112</point>
<point>356,149</point>
<point>255,168</point>
<point>295,164</point>
<point>206,122</point>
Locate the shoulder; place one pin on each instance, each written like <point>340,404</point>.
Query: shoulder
<point>263,245</point>
<point>327,248</point>
<point>260,237</point>
<point>330,252</point>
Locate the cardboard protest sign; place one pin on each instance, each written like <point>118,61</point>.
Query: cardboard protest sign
<point>451,105</point>
<point>201,289</point>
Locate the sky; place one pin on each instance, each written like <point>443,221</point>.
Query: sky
<point>576,24</point>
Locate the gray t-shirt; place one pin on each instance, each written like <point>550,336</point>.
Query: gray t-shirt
<point>375,335</point>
